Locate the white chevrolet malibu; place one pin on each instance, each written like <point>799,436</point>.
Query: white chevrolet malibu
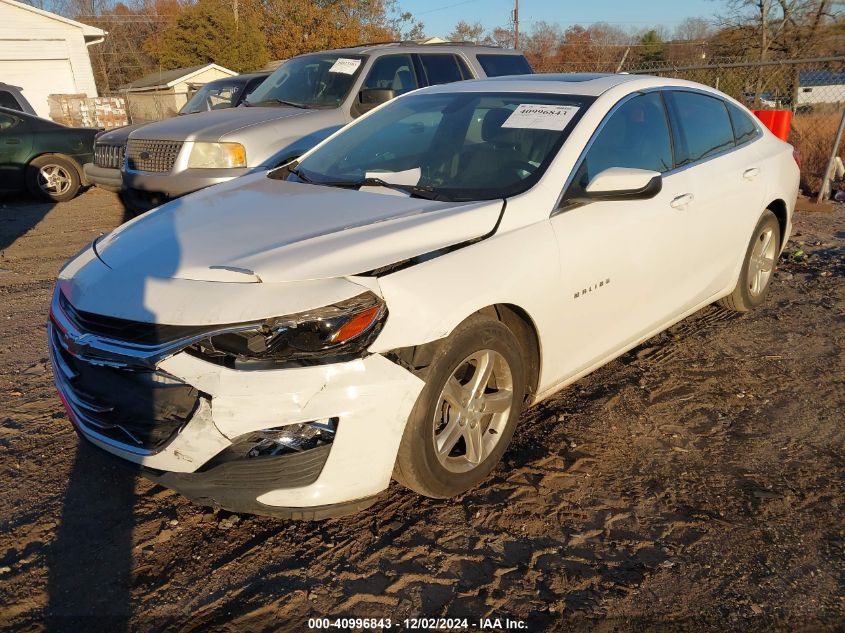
<point>385,307</point>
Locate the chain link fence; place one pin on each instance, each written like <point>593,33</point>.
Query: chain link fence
<point>813,89</point>
<point>147,107</point>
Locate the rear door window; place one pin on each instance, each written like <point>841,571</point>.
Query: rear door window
<point>499,65</point>
<point>744,128</point>
<point>441,69</point>
<point>701,126</point>
<point>7,100</point>
<point>392,72</point>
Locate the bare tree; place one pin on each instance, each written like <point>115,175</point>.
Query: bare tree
<point>694,30</point>
<point>786,28</point>
<point>781,29</point>
<point>542,44</point>
<point>466,32</point>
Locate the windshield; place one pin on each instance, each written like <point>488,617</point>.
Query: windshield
<point>451,146</point>
<point>311,81</point>
<point>214,96</point>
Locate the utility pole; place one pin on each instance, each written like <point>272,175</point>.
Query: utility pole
<point>516,24</point>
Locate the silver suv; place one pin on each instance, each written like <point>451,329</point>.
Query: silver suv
<point>304,101</point>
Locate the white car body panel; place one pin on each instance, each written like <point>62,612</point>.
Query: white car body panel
<point>343,232</point>
<point>593,280</point>
<point>619,178</point>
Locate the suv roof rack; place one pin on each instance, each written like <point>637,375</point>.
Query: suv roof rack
<point>417,43</point>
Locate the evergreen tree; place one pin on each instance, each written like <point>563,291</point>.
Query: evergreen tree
<point>225,32</point>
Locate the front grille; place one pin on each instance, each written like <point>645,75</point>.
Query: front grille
<point>110,156</point>
<point>156,156</point>
<point>135,408</point>
<point>123,329</point>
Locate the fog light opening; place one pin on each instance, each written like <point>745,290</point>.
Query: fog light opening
<point>293,438</point>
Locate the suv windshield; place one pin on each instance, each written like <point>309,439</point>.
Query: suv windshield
<point>310,81</point>
<point>214,96</point>
<point>450,146</point>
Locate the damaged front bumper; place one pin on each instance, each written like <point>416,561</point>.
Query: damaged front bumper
<point>198,411</point>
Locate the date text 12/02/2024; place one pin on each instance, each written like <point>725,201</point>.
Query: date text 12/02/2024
<point>444,624</point>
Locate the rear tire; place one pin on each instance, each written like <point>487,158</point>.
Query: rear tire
<point>758,267</point>
<point>466,414</point>
<point>53,177</point>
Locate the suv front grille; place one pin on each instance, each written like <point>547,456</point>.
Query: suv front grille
<point>155,156</point>
<point>110,156</point>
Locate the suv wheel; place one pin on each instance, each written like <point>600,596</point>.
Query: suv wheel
<point>137,202</point>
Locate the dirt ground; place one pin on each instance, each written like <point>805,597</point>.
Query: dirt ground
<point>696,483</point>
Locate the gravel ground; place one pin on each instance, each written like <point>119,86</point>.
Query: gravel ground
<point>696,483</point>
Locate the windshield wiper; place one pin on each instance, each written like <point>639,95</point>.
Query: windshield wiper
<point>296,171</point>
<point>293,104</point>
<point>415,191</point>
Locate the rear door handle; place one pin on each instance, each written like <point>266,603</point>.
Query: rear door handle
<point>681,201</point>
<point>751,173</point>
<point>13,141</point>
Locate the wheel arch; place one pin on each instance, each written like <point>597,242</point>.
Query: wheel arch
<point>522,325</point>
<point>417,358</point>
<point>779,208</point>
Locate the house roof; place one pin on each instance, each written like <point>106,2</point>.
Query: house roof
<point>169,78</point>
<point>90,33</point>
<point>821,78</point>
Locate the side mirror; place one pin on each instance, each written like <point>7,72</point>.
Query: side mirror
<point>369,98</point>
<point>623,183</point>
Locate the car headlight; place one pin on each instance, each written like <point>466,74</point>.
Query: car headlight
<point>343,330</point>
<point>211,155</point>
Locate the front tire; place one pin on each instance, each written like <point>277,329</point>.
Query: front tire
<point>137,202</point>
<point>758,267</point>
<point>53,177</point>
<point>467,412</point>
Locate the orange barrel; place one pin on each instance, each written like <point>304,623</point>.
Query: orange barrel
<point>777,121</point>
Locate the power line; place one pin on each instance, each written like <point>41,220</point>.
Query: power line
<point>446,6</point>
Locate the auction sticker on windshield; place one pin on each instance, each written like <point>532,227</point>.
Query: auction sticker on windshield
<point>345,66</point>
<point>540,117</point>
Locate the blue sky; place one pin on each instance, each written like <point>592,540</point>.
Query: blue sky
<point>440,16</point>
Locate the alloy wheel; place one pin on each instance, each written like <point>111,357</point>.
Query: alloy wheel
<point>761,264</point>
<point>54,180</point>
<point>473,410</point>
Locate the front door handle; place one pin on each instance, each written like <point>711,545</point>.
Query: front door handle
<point>751,173</point>
<point>681,202</point>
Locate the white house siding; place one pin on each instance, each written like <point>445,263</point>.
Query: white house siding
<point>43,56</point>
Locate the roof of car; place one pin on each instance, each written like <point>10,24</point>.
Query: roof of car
<point>588,84</point>
<point>411,46</point>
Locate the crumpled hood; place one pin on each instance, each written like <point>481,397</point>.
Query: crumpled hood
<point>212,125</point>
<point>258,229</point>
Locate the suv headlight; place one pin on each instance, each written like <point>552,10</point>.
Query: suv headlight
<point>211,155</point>
<point>343,330</point>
